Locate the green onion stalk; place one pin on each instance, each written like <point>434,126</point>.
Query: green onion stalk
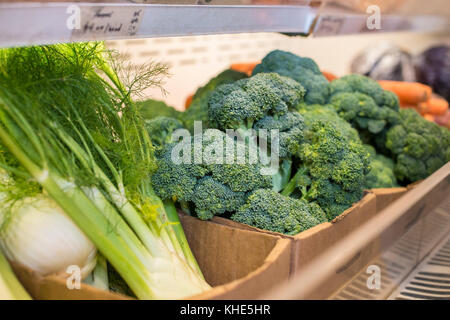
<point>70,124</point>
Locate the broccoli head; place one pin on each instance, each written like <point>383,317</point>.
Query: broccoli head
<point>419,147</point>
<point>198,172</point>
<point>362,102</point>
<point>240,104</point>
<point>327,114</point>
<point>150,109</point>
<point>198,109</point>
<point>263,101</point>
<point>303,70</point>
<point>331,162</point>
<point>381,174</point>
<point>269,210</point>
<point>160,130</point>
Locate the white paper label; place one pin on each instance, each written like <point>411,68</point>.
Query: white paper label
<point>329,26</point>
<point>107,22</point>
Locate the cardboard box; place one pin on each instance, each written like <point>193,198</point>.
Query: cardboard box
<point>386,196</point>
<point>309,244</point>
<point>239,264</point>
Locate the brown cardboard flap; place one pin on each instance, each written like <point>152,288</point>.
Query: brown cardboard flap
<point>312,242</point>
<point>224,253</point>
<point>239,264</point>
<point>54,287</point>
<point>250,286</point>
<point>385,196</point>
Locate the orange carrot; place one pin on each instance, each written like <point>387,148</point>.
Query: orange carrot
<point>188,101</point>
<point>422,107</point>
<point>429,117</point>
<point>246,68</point>
<point>330,76</point>
<point>437,106</point>
<point>407,92</point>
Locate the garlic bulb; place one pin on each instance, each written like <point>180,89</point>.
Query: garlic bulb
<point>39,235</point>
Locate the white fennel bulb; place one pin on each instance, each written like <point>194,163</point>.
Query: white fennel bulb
<point>39,235</point>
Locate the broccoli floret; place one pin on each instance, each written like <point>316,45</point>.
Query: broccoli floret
<point>269,210</point>
<point>381,174</point>
<point>160,130</point>
<point>331,162</point>
<point>332,197</point>
<point>240,104</point>
<point>198,109</point>
<point>303,70</point>
<point>263,101</point>
<point>211,186</point>
<point>290,127</point>
<point>419,147</point>
<point>327,114</point>
<point>362,102</point>
<point>150,109</point>
<point>215,198</point>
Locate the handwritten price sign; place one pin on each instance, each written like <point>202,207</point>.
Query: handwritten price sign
<point>107,22</point>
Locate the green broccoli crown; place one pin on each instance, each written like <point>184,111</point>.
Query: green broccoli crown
<point>418,146</point>
<point>269,210</point>
<point>328,154</point>
<point>331,197</point>
<point>214,184</point>
<point>328,114</point>
<point>160,130</point>
<point>381,174</point>
<point>150,109</point>
<point>362,102</point>
<point>240,104</point>
<point>198,109</point>
<point>303,70</point>
<point>332,163</point>
<point>215,198</point>
<point>290,127</point>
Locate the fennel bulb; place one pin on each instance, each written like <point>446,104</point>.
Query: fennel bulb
<point>39,235</point>
<point>61,127</point>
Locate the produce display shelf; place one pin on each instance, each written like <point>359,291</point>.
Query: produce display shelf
<point>334,24</point>
<point>34,23</point>
<point>46,23</point>
<point>420,216</point>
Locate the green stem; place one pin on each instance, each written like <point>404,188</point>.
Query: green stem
<point>292,184</point>
<point>181,236</point>
<point>100,273</point>
<point>119,200</point>
<point>10,287</point>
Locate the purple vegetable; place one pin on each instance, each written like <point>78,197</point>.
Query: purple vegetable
<point>433,69</point>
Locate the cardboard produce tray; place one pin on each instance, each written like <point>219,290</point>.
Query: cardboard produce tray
<point>237,263</point>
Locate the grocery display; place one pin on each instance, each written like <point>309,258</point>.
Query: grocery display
<point>252,174</point>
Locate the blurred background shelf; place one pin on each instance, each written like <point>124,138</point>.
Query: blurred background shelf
<point>341,17</point>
